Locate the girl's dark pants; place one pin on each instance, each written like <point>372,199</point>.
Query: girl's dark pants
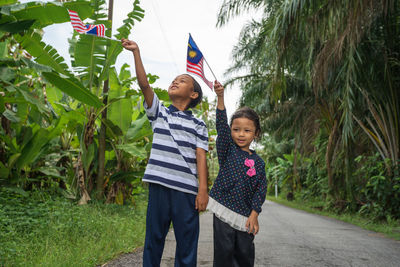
<point>232,247</point>
<point>167,205</point>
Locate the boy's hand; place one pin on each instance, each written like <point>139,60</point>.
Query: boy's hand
<point>201,200</point>
<point>218,89</point>
<point>252,223</point>
<point>129,45</point>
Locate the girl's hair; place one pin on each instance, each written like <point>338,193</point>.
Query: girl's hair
<point>248,113</point>
<point>197,89</point>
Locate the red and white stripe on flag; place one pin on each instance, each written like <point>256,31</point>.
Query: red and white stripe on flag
<point>198,70</point>
<point>101,30</point>
<point>78,25</point>
<point>76,22</point>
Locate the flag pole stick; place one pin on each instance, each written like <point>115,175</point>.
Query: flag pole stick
<point>109,38</point>
<point>205,60</point>
<point>210,68</point>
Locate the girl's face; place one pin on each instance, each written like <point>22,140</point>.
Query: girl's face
<point>243,132</point>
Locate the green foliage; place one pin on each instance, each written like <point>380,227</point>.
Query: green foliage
<point>379,193</point>
<point>38,229</point>
<point>44,54</point>
<point>327,71</point>
<point>51,112</point>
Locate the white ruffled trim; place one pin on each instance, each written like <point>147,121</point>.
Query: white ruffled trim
<point>228,216</point>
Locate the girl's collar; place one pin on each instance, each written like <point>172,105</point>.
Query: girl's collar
<point>245,152</point>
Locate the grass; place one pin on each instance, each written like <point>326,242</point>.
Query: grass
<point>57,232</point>
<point>390,229</point>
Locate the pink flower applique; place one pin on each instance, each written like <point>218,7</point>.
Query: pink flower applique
<point>250,163</point>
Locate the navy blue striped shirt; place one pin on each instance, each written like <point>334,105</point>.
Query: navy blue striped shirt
<point>177,134</point>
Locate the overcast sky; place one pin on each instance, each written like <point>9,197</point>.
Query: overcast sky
<point>163,35</point>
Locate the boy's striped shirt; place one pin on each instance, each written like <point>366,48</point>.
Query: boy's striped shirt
<point>177,134</point>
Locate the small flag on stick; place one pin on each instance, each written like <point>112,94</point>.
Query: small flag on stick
<point>98,30</point>
<point>195,61</point>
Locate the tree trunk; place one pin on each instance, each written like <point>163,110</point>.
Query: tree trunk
<point>88,136</point>
<point>81,182</point>
<point>328,154</point>
<point>295,172</point>
<point>102,134</point>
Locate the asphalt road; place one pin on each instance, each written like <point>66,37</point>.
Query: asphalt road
<point>290,237</point>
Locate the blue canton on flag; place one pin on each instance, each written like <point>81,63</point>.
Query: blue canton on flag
<point>195,61</point>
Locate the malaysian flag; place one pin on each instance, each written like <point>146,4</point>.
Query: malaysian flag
<point>77,24</point>
<point>195,61</point>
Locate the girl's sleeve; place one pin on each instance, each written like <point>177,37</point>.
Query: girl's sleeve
<point>224,138</point>
<point>261,191</point>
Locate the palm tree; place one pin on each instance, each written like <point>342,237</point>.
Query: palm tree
<point>323,64</point>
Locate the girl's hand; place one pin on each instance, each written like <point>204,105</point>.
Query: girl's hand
<point>218,89</point>
<point>129,45</point>
<point>252,223</point>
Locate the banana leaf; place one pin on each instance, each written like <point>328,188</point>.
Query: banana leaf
<point>33,148</point>
<point>120,112</point>
<point>73,88</point>
<point>44,14</point>
<point>16,26</point>
<point>44,54</point>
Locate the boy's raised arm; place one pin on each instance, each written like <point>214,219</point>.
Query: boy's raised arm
<point>140,72</point>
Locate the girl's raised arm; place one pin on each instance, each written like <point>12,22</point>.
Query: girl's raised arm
<point>224,139</point>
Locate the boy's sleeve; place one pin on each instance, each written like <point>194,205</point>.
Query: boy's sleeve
<point>152,112</point>
<point>224,138</point>
<point>261,192</point>
<point>202,136</point>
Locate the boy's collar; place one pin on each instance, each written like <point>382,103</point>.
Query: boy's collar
<point>172,108</point>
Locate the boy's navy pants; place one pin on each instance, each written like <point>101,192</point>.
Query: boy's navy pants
<point>167,205</point>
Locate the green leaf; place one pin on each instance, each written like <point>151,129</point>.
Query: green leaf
<point>10,115</point>
<point>16,26</point>
<point>44,54</point>
<point>53,94</point>
<point>29,97</point>
<point>3,49</point>
<point>134,150</point>
<point>33,148</point>
<point>113,51</point>
<point>113,128</point>
<point>48,13</point>
<point>7,2</point>
<point>128,176</point>
<point>120,112</point>
<point>6,74</point>
<point>136,14</point>
<point>139,129</point>
<point>73,88</point>
<point>50,171</point>
<point>2,107</point>
<point>162,94</point>
<point>4,171</point>
<point>89,52</point>
<point>87,156</point>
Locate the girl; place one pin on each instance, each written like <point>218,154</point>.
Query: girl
<point>240,188</point>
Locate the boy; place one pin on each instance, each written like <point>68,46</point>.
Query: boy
<point>177,159</point>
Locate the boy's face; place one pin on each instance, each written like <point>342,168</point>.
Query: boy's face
<point>182,87</point>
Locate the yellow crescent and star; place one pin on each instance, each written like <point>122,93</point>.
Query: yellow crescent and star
<point>192,53</point>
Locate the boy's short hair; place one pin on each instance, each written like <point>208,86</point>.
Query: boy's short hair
<point>197,89</point>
